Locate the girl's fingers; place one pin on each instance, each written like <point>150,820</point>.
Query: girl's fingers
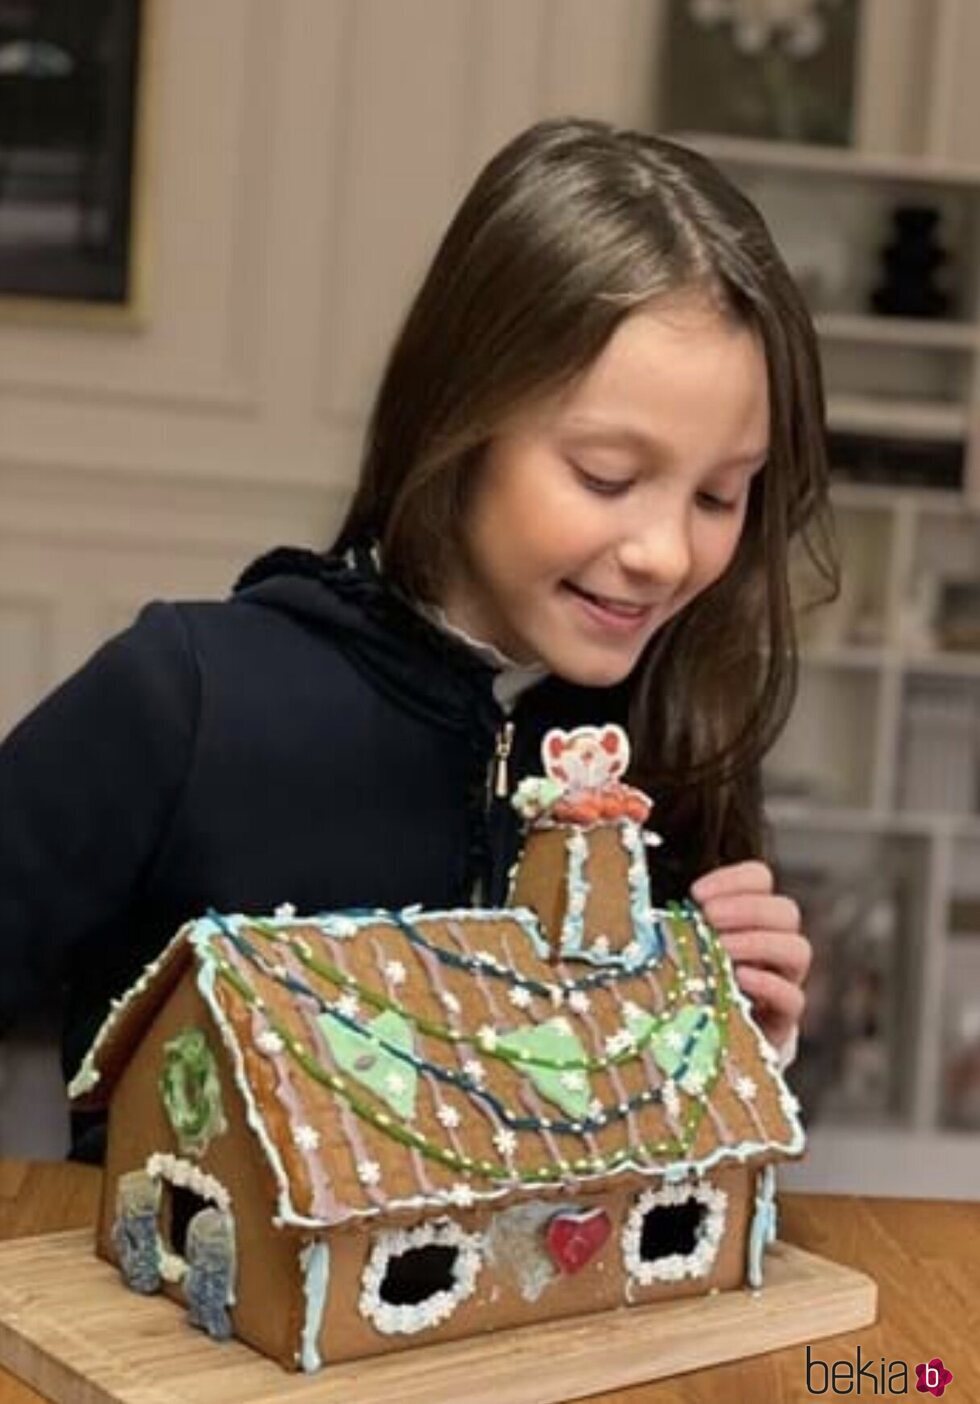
<point>752,911</point>
<point>787,954</point>
<point>781,1002</point>
<point>751,876</point>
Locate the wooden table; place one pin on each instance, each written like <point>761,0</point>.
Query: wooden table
<point>924,1254</point>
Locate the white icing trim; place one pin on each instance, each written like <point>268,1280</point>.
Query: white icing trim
<point>88,1075</point>
<point>390,1319</point>
<point>186,1175</point>
<point>697,1263</point>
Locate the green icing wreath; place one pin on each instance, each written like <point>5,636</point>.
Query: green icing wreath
<point>191,1091</point>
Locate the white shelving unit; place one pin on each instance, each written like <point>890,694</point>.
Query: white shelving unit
<point>874,790</point>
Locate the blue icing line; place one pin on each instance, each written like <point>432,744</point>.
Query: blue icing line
<point>315,1261</point>
<point>763,1227</point>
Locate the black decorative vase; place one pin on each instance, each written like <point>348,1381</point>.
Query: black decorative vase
<point>912,261</point>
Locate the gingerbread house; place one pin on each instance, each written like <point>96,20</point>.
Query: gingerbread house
<point>341,1135</point>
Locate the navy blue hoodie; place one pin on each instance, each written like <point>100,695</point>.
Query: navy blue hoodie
<point>312,739</point>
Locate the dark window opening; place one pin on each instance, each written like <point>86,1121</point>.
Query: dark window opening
<point>671,1228</point>
<point>418,1274</point>
<point>182,1205</point>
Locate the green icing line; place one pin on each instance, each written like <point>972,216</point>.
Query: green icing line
<point>366,1057</point>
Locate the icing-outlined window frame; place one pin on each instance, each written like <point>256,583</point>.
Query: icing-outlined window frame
<point>675,1267</point>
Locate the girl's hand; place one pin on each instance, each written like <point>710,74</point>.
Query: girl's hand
<point>760,930</point>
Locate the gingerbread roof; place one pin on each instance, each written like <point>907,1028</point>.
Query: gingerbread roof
<point>396,1060</point>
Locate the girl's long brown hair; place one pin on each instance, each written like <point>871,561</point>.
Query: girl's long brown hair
<point>568,229</point>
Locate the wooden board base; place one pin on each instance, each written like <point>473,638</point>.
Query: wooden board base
<point>68,1330</point>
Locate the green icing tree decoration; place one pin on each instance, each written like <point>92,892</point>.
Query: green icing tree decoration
<point>686,1047</point>
<point>552,1042</point>
<point>361,1054</point>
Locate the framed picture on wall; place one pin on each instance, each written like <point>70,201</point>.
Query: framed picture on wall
<point>71,144</point>
<point>779,70</point>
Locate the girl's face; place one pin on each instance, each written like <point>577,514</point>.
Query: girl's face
<point>599,513</point>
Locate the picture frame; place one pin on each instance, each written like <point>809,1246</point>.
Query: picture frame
<point>73,161</point>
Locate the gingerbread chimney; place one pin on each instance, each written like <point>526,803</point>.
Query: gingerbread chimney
<point>583,869</point>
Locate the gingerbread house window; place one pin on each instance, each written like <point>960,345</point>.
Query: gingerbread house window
<point>176,1211</point>
<point>416,1278</point>
<point>674,1232</point>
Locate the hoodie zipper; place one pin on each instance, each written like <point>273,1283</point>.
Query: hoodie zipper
<point>502,746</point>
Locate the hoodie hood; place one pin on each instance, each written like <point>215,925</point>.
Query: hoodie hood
<point>430,673</point>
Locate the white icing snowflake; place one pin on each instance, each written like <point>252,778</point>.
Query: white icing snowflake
<point>519,996</point>
<point>449,1117</point>
<point>450,1002</point>
<point>486,1037</point>
<point>396,972</point>
<point>475,1071</point>
<point>268,1041</point>
<point>348,1006</point>
<point>694,1083</point>
<point>574,1081</point>
<point>579,1001</point>
<point>307,1138</point>
<point>285,911</point>
<point>745,1088</point>
<point>395,1083</point>
<point>506,1141</point>
<point>622,1041</point>
<point>461,1195</point>
<point>633,953</point>
<point>670,1098</point>
<point>369,1172</point>
<point>674,1039</point>
<point>600,946</point>
<point>597,1111</point>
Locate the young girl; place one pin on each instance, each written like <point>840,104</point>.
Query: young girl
<point>598,430</point>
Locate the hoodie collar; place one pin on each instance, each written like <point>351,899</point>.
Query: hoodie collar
<point>428,670</point>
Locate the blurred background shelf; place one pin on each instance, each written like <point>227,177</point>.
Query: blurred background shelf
<point>873,792</point>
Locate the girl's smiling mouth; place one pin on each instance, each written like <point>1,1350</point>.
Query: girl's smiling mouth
<point>617,614</point>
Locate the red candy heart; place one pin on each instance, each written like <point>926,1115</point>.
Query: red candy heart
<point>573,1238</point>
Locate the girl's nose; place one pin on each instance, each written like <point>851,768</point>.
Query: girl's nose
<point>659,550</point>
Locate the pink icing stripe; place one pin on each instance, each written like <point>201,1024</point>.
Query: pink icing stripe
<point>418,1164</point>
<point>348,1119</point>
<point>459,936</point>
<point>325,1203</point>
<point>732,1074</point>
<point>464,1049</point>
<point>532,1103</point>
<point>617,1082</point>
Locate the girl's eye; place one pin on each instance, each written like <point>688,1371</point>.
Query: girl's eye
<point>605,487</point>
<point>712,503</point>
